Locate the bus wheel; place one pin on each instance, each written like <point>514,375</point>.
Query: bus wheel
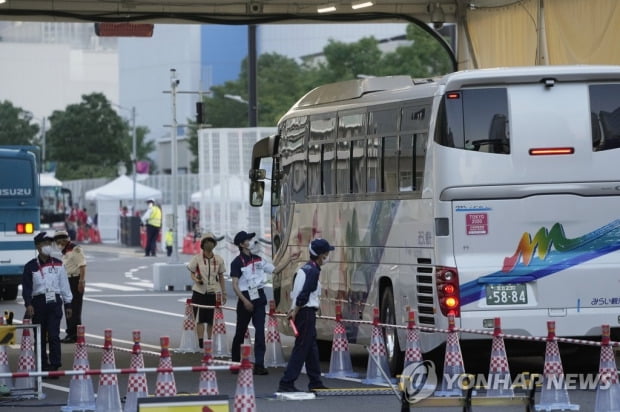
<point>390,335</point>
<point>9,292</point>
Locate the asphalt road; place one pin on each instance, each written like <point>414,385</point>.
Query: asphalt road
<point>120,297</point>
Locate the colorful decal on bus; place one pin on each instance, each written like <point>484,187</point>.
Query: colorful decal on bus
<point>566,253</point>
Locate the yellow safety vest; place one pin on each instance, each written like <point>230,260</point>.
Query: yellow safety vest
<point>169,239</point>
<point>155,217</point>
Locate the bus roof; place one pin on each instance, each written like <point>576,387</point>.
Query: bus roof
<point>514,75</point>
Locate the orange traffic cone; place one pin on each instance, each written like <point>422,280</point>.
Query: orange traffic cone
<point>499,383</point>
<point>378,368</point>
<point>108,398</point>
<point>4,363</point>
<point>274,357</point>
<point>165,385</point>
<point>453,366</point>
<point>137,386</point>
<point>608,388</point>
<point>189,339</point>
<point>554,394</point>
<point>413,354</point>
<point>81,394</point>
<point>340,361</point>
<point>208,381</point>
<point>26,362</point>
<point>220,344</point>
<point>244,394</point>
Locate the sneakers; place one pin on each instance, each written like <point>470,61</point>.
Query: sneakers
<point>287,388</point>
<point>317,388</point>
<point>260,370</point>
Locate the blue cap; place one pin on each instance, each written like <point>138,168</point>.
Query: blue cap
<point>242,237</point>
<point>319,246</point>
<point>42,237</point>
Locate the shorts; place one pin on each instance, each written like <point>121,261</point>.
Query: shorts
<point>203,315</point>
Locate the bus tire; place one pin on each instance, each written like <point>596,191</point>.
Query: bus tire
<point>390,335</point>
<point>9,292</point>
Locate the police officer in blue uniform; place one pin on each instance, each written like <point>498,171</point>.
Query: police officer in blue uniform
<point>305,298</point>
<point>45,289</point>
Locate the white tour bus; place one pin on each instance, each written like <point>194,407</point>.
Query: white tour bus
<point>483,194</point>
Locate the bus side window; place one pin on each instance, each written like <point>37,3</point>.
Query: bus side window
<point>373,165</point>
<point>420,158</point>
<point>406,181</point>
<point>390,164</point>
<point>314,169</point>
<point>327,165</point>
<point>358,166</point>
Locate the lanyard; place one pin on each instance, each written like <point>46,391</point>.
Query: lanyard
<point>44,265</point>
<point>207,262</point>
<point>244,262</point>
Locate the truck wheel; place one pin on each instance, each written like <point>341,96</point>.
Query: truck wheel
<point>9,292</point>
<point>390,335</point>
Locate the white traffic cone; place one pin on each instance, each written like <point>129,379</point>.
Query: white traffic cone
<point>340,365</point>
<point>208,381</point>
<point>4,362</point>
<point>165,385</point>
<point>453,366</point>
<point>553,394</point>
<point>220,343</point>
<point>274,356</point>
<point>26,362</point>
<point>378,367</point>
<point>137,386</point>
<point>245,401</point>
<point>108,398</point>
<point>608,388</point>
<point>413,354</point>
<point>189,339</point>
<point>499,382</point>
<point>81,394</point>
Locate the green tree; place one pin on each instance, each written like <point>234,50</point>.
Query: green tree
<point>16,126</point>
<point>88,139</point>
<point>424,57</point>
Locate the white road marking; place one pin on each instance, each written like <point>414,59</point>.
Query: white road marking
<point>115,287</point>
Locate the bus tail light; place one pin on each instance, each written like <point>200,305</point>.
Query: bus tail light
<point>24,228</point>
<point>447,280</point>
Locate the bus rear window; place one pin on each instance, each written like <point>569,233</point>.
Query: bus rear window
<point>605,116</point>
<point>18,179</point>
<point>474,119</point>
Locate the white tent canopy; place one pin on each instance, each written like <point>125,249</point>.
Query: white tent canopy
<point>108,197</point>
<point>121,188</point>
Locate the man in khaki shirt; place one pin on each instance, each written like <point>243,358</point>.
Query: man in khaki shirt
<point>75,265</point>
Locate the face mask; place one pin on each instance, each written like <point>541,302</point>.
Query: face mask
<point>47,250</point>
<point>255,248</point>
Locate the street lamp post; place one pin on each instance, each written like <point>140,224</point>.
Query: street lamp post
<point>174,83</point>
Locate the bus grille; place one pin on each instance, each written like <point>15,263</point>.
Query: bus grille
<point>425,295</point>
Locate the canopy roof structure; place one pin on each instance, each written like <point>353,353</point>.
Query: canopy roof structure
<point>121,188</point>
<point>490,33</point>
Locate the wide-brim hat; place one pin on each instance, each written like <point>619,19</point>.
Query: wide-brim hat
<point>208,236</point>
<point>61,234</point>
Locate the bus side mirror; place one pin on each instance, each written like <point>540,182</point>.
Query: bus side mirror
<point>258,174</point>
<point>257,193</point>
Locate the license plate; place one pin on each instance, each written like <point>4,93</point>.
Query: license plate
<point>508,294</point>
